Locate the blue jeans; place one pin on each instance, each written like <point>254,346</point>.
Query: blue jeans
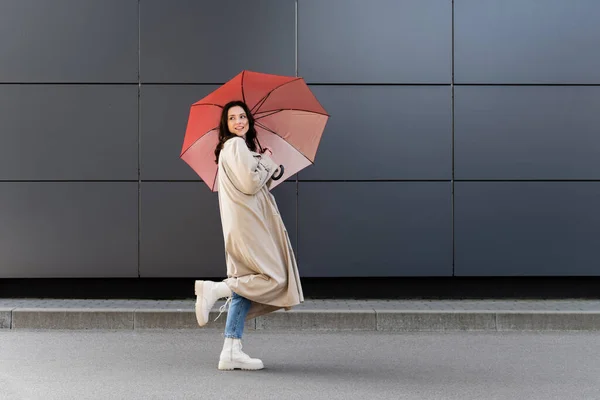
<point>236,316</point>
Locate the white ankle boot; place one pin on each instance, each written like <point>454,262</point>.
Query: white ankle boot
<point>207,293</point>
<point>232,357</point>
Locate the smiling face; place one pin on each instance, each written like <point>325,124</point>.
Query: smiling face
<point>237,121</point>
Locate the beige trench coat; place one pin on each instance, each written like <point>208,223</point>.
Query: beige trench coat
<point>260,261</point>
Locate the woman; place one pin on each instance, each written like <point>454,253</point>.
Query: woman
<point>261,267</point>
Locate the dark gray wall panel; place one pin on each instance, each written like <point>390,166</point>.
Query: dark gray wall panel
<point>68,132</point>
<point>527,132</point>
<point>181,234</point>
<point>376,41</point>
<point>526,41</point>
<point>527,228</point>
<point>164,116</point>
<point>374,229</point>
<point>190,41</point>
<point>384,132</point>
<point>68,229</point>
<point>68,41</point>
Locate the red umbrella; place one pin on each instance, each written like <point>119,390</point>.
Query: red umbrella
<point>288,119</point>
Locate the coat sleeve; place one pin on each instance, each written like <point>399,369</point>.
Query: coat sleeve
<point>247,172</point>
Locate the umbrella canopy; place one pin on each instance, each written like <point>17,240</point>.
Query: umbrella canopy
<point>288,119</point>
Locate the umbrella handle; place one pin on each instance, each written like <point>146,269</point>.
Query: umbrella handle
<point>276,178</point>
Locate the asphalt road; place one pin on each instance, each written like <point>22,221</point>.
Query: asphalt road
<point>107,365</point>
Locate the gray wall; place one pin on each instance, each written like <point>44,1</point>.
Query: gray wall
<point>463,141</point>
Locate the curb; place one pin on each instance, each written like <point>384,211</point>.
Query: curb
<point>304,320</point>
<point>5,318</point>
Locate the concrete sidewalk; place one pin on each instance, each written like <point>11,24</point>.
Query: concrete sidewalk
<point>313,315</point>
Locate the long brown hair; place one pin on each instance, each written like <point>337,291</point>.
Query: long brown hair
<point>225,135</point>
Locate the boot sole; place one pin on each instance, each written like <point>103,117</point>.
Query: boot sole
<point>230,366</point>
<point>199,291</point>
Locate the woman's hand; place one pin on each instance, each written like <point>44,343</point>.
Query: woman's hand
<point>267,151</point>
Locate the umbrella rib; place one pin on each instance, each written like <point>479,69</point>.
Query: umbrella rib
<point>273,112</point>
<point>276,134</point>
<point>294,80</point>
<point>242,84</point>
<point>207,104</point>
<point>262,101</point>
<point>215,180</point>
<point>195,141</point>
<point>289,109</point>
